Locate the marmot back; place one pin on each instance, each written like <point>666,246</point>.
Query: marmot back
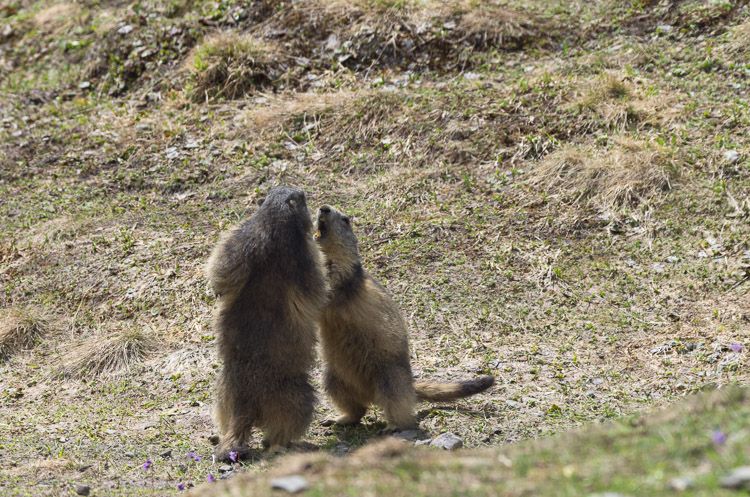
<point>365,340</point>
<point>269,276</point>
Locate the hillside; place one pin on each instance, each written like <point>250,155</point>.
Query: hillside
<point>555,194</point>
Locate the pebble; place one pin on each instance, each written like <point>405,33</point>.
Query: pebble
<point>226,468</point>
<point>143,127</point>
<point>129,454</point>
<point>738,479</point>
<point>291,484</point>
<point>407,434</point>
<point>731,156</point>
<point>83,489</point>
<point>682,483</point>
<point>423,442</point>
<point>447,441</point>
<point>664,28</point>
<point>166,453</point>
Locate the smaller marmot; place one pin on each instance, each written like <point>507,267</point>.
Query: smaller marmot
<point>269,275</point>
<point>365,342</point>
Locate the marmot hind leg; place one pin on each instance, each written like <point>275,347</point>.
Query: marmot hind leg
<point>397,397</point>
<point>345,399</point>
<point>287,414</point>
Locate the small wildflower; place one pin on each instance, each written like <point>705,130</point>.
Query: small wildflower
<point>719,437</point>
<point>147,465</point>
<point>737,347</point>
<point>197,459</point>
<point>180,487</point>
<point>211,478</point>
<point>233,456</point>
<point>191,455</point>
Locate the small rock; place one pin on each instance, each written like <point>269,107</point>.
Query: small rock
<point>658,267</point>
<point>83,489</point>
<point>226,468</point>
<point>447,441</point>
<point>664,28</point>
<point>166,453</point>
<point>682,483</point>
<point>332,43</point>
<point>291,484</point>
<point>450,25</point>
<point>407,434</point>
<point>738,479</point>
<point>423,442</point>
<point>673,259</point>
<point>191,144</point>
<point>129,454</point>
<point>110,432</point>
<point>731,156</point>
<point>84,85</point>
<point>172,153</point>
<point>143,127</point>
<point>125,29</point>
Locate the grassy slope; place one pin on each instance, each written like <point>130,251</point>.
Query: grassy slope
<point>507,180</point>
<point>635,456</point>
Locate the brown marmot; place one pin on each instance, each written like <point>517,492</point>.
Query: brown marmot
<point>269,275</point>
<point>365,342</point>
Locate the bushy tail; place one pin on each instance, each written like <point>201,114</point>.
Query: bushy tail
<point>446,392</point>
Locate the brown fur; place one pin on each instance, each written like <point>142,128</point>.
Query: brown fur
<point>269,275</point>
<point>365,340</point>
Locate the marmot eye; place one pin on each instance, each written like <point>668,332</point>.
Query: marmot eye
<point>345,219</point>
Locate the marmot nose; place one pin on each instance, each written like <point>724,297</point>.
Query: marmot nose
<point>325,209</point>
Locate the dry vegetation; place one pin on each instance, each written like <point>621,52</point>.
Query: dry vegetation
<point>554,194</point>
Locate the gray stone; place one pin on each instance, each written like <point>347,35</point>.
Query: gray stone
<point>681,483</point>
<point>738,479</point>
<point>83,489</point>
<point>407,434</point>
<point>731,156</point>
<point>292,484</point>
<point>664,28</point>
<point>423,442</point>
<point>447,441</point>
<point>226,468</point>
<point>143,127</point>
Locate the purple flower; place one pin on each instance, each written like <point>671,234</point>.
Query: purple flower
<point>211,478</point>
<point>191,455</point>
<point>737,347</point>
<point>147,465</point>
<point>719,437</point>
<point>180,487</point>
<point>197,459</point>
<point>233,456</point>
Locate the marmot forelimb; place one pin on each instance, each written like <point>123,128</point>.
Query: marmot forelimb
<point>269,275</point>
<point>365,341</point>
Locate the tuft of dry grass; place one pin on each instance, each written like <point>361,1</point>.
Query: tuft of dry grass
<point>625,175</point>
<point>56,18</point>
<point>739,39</point>
<point>230,65</point>
<point>21,329</point>
<point>101,356</point>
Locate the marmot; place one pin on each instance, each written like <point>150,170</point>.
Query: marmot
<point>365,341</point>
<point>270,279</point>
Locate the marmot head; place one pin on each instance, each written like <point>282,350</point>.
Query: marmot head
<point>287,203</point>
<point>335,236</point>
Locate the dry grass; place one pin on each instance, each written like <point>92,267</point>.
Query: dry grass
<point>56,18</point>
<point>101,356</point>
<point>231,66</point>
<point>627,174</point>
<point>739,38</point>
<point>21,329</point>
<point>617,101</point>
